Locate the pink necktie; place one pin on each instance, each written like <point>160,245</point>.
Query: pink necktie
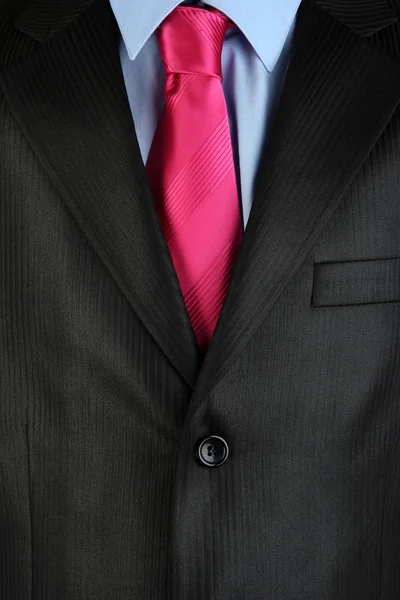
<point>190,166</point>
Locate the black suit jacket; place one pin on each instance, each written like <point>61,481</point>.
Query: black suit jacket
<point>103,393</point>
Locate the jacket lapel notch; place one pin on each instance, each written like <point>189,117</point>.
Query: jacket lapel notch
<point>42,19</point>
<point>323,130</point>
<point>70,101</point>
<point>365,18</point>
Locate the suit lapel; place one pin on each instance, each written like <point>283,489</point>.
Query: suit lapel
<point>41,19</point>
<point>339,94</point>
<point>365,18</point>
<point>71,104</point>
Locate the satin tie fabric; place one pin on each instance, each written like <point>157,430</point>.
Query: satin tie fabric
<point>190,165</point>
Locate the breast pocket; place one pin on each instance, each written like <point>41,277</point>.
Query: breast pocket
<point>356,282</point>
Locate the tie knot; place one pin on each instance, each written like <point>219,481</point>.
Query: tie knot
<point>191,39</point>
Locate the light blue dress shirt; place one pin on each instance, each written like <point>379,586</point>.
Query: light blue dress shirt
<point>254,59</point>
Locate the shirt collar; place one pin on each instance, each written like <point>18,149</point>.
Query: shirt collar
<point>137,20</point>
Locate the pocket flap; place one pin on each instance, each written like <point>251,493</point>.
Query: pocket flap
<point>356,282</point>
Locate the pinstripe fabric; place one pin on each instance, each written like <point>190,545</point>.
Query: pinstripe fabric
<point>15,45</point>
<point>356,282</point>
<point>103,397</point>
<point>375,15</point>
<point>62,319</point>
<point>42,20</point>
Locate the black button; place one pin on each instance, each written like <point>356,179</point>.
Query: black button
<point>212,451</point>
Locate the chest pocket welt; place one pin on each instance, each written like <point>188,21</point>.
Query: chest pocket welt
<point>356,282</point>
